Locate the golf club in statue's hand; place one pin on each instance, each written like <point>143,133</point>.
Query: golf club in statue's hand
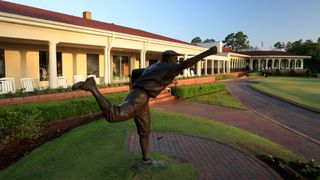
<point>146,83</point>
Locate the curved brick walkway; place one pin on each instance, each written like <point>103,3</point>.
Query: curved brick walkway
<point>215,160</point>
<point>249,121</point>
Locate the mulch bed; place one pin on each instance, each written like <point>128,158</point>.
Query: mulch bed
<point>17,149</point>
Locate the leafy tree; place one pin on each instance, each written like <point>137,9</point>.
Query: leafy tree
<point>196,40</point>
<point>229,41</point>
<point>209,40</point>
<point>279,45</point>
<point>236,41</point>
<point>307,48</point>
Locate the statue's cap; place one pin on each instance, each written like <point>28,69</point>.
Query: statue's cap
<point>170,53</point>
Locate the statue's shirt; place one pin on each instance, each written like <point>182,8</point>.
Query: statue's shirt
<point>157,77</point>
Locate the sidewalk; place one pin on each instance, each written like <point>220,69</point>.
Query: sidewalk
<point>214,160</point>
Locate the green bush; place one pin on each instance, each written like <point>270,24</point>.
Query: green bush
<point>24,121</point>
<point>17,125</point>
<point>256,73</point>
<point>183,92</point>
<point>224,76</point>
<point>57,110</point>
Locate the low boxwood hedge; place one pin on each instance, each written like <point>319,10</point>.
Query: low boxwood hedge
<point>183,92</point>
<point>24,121</point>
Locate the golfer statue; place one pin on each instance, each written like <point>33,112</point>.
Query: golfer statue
<point>146,83</point>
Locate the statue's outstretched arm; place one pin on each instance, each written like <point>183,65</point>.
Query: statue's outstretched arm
<point>191,61</point>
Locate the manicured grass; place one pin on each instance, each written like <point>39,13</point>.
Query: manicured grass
<point>304,91</point>
<point>95,151</point>
<point>220,98</point>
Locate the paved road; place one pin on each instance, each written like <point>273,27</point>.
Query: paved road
<point>215,160</point>
<point>297,118</point>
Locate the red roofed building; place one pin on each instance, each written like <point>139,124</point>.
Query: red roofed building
<point>264,60</point>
<point>49,49</point>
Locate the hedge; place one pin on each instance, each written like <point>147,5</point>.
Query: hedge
<point>183,92</point>
<point>23,121</point>
<point>224,76</point>
<point>279,73</point>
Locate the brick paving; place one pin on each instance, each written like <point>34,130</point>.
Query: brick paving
<point>214,160</point>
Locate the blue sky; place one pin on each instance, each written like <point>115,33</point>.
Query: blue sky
<point>266,21</point>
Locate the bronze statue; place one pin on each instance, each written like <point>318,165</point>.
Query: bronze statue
<point>146,83</point>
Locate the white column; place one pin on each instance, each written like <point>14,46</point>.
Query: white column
<point>301,63</point>
<point>218,66</point>
<point>295,64</point>
<point>52,65</point>
<point>279,63</point>
<point>251,65</point>
<point>142,59</point>
<point>205,67</point>
<point>229,65</point>
<point>185,70</point>
<point>224,66</point>
<point>212,66</point>
<point>266,65</point>
<point>259,64</point>
<point>199,68</point>
<point>107,65</point>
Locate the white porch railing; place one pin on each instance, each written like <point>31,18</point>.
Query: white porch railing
<point>62,82</point>
<point>27,84</point>
<point>77,78</point>
<point>95,78</point>
<point>7,85</point>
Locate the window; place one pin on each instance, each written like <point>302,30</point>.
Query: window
<point>59,64</point>
<point>93,64</point>
<point>120,68</point>
<point>2,64</point>
<point>44,65</point>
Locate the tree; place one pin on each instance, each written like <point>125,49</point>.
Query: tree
<point>209,40</point>
<point>307,48</point>
<point>279,45</point>
<point>196,40</point>
<point>236,41</point>
<point>229,41</point>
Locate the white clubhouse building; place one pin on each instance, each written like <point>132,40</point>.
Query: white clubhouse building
<point>49,48</point>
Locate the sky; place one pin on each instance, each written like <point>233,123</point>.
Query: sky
<point>265,22</point>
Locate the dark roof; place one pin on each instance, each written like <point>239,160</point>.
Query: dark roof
<point>226,49</point>
<point>18,9</point>
<point>266,53</point>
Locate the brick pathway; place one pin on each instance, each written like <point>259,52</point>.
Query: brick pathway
<point>215,160</point>
<point>249,121</point>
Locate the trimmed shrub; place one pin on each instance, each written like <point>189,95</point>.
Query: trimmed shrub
<point>224,76</point>
<point>256,73</point>
<point>183,92</point>
<point>24,121</point>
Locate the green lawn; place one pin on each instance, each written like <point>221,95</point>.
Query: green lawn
<point>220,98</point>
<point>95,151</point>
<point>304,91</point>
